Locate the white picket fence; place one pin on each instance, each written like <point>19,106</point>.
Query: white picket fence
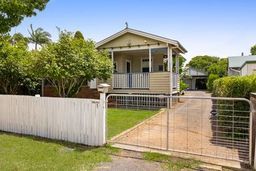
<point>75,120</point>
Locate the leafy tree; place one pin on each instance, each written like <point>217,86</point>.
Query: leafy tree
<point>12,12</point>
<point>220,68</point>
<point>39,36</point>
<point>18,38</point>
<point>71,62</point>
<point>215,67</point>
<point>203,62</point>
<point>253,50</point>
<point>79,35</point>
<point>211,65</point>
<point>13,62</point>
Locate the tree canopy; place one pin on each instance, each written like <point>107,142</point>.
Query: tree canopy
<point>220,68</point>
<point>12,12</point>
<point>19,38</point>
<point>203,62</point>
<point>79,35</point>
<point>14,64</point>
<point>70,62</point>
<point>253,50</point>
<point>215,67</point>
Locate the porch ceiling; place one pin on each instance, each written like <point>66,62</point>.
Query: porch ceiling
<point>144,51</point>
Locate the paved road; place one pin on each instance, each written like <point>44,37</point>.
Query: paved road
<point>130,161</point>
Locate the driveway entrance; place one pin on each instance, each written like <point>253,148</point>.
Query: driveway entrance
<point>195,125</point>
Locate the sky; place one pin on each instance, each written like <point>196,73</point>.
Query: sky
<point>204,27</point>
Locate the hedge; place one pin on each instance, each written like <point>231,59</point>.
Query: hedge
<point>235,86</point>
<point>210,80</point>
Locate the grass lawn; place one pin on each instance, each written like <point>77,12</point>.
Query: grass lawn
<point>118,120</point>
<point>30,153</point>
<point>172,163</point>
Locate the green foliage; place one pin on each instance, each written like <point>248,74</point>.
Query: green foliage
<point>70,62</point>
<point>210,64</point>
<point>39,36</point>
<point>211,79</point>
<point>78,35</point>
<point>235,86</point>
<point>202,63</point>
<point>14,65</point>
<point>253,50</point>
<point>183,85</point>
<point>14,11</point>
<point>19,38</point>
<point>214,66</point>
<point>220,68</point>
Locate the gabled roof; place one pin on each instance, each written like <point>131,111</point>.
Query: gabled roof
<point>238,61</point>
<point>143,34</point>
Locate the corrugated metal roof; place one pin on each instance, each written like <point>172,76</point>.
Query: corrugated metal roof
<point>238,61</point>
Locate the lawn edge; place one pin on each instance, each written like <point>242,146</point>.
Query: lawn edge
<point>135,126</point>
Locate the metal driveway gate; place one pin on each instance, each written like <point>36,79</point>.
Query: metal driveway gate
<point>213,127</point>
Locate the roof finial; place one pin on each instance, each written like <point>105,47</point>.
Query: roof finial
<point>126,25</point>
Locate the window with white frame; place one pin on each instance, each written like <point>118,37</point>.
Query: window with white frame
<point>145,65</point>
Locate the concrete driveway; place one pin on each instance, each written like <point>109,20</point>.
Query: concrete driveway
<point>187,127</point>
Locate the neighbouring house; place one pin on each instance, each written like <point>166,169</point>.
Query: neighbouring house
<point>195,79</point>
<point>242,65</point>
<point>143,63</point>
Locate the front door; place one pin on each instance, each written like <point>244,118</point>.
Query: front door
<point>128,71</point>
<point>128,66</point>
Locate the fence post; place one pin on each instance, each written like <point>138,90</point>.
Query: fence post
<point>103,107</point>
<point>253,127</point>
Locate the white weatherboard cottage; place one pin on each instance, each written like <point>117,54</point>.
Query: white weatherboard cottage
<point>143,62</point>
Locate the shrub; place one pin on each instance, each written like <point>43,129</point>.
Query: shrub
<point>211,79</point>
<point>183,85</point>
<point>235,86</point>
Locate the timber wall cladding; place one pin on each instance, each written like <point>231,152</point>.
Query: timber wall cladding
<point>74,120</point>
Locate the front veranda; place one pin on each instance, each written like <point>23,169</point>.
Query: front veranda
<point>144,69</point>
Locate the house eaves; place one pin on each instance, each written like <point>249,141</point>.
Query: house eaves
<point>172,42</point>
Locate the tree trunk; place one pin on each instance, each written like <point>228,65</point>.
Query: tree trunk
<point>36,46</point>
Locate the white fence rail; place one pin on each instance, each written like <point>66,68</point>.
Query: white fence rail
<point>75,120</point>
<point>131,80</point>
<point>138,80</point>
